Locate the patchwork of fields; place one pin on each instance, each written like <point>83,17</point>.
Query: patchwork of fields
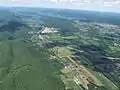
<point>49,49</point>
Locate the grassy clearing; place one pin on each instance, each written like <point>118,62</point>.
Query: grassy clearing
<point>105,81</point>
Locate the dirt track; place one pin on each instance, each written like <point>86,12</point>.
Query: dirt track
<point>85,70</point>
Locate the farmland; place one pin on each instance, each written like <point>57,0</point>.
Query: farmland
<point>41,51</point>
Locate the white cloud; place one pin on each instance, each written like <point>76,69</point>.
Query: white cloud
<point>75,4</point>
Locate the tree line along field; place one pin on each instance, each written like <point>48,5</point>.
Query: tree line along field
<point>82,55</point>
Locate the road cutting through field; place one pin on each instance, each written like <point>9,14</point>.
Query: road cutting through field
<point>85,70</point>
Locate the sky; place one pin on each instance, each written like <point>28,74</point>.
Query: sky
<point>95,5</point>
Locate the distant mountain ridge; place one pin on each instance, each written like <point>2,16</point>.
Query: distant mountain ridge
<point>9,21</point>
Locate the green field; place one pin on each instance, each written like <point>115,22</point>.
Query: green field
<point>24,67</point>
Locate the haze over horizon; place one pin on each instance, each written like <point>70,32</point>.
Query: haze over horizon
<point>95,5</point>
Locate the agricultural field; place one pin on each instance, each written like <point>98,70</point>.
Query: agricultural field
<point>39,50</point>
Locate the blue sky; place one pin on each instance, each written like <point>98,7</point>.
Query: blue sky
<point>97,5</point>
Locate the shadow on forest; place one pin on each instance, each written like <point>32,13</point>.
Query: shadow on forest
<point>11,26</point>
<point>54,44</point>
<point>98,57</point>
